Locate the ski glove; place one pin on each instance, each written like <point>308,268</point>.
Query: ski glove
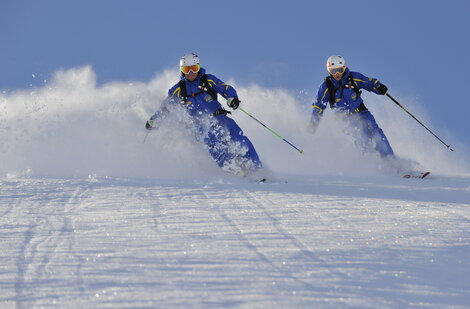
<point>149,124</point>
<point>233,102</point>
<point>382,89</point>
<point>221,112</point>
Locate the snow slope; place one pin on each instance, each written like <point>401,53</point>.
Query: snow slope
<point>120,243</point>
<point>93,217</point>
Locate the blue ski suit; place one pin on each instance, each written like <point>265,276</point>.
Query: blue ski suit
<point>349,104</point>
<point>224,139</point>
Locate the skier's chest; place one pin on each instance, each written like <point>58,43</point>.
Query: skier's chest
<point>345,94</point>
<point>197,96</point>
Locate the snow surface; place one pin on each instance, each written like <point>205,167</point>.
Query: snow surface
<point>93,217</point>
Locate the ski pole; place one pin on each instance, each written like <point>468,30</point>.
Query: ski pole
<point>396,102</point>
<point>271,130</point>
<point>146,135</point>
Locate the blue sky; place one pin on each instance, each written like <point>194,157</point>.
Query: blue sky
<point>419,49</point>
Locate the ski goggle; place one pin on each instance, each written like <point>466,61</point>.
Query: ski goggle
<point>190,68</point>
<point>337,71</point>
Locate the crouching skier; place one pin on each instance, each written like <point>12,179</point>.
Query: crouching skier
<point>197,92</point>
<point>341,91</point>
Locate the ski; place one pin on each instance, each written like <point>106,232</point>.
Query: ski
<point>270,181</point>
<point>416,175</point>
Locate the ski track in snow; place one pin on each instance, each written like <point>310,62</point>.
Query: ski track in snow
<point>121,243</point>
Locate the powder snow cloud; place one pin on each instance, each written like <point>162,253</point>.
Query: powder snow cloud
<point>72,127</point>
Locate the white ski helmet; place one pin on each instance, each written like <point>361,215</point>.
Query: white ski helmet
<point>189,59</point>
<point>335,62</point>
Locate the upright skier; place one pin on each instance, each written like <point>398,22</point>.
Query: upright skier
<point>197,93</point>
<point>341,90</point>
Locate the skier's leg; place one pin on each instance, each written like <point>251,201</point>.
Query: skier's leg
<point>237,135</point>
<point>356,127</point>
<point>230,148</point>
<point>373,133</point>
<point>216,144</point>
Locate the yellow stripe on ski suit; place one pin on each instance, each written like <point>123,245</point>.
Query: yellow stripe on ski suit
<point>320,110</point>
<point>177,90</point>
<point>324,94</point>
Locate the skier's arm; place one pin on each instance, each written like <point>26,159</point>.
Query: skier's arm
<point>222,88</point>
<point>318,106</point>
<point>173,97</point>
<point>152,123</point>
<point>369,83</point>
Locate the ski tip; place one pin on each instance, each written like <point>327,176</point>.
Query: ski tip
<point>418,175</point>
<point>425,174</point>
<point>271,181</point>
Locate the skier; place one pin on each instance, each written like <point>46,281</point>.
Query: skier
<point>341,91</point>
<point>197,92</point>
